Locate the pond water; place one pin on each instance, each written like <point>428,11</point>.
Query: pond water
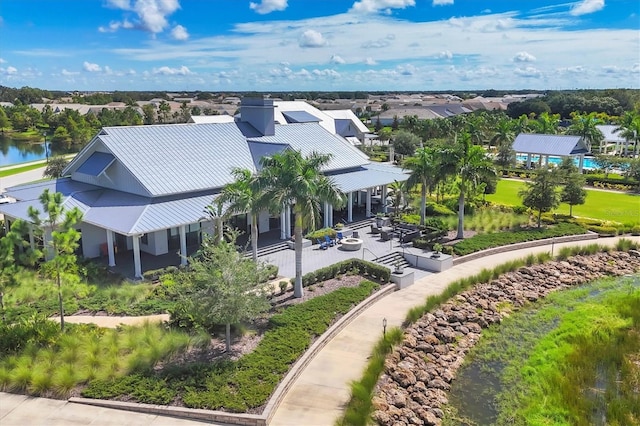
<point>478,383</point>
<point>13,151</point>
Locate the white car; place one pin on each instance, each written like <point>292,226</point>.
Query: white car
<point>5,199</point>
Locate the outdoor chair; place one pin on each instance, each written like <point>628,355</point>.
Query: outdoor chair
<point>339,237</point>
<point>375,229</point>
<point>330,241</point>
<point>323,245</point>
<point>385,236</point>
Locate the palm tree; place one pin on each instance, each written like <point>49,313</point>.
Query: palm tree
<point>472,165</point>
<point>398,194</point>
<point>215,214</point>
<point>244,196</point>
<point>547,123</point>
<point>503,134</point>
<point>523,125</point>
<point>585,127</point>
<point>424,171</point>
<point>630,130</point>
<point>290,178</point>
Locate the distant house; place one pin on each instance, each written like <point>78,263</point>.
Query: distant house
<point>541,147</point>
<point>143,189</point>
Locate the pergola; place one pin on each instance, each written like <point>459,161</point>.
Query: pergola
<point>545,146</point>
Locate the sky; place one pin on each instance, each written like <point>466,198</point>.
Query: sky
<point>319,45</point>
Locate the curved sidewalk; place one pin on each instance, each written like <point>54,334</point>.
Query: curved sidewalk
<point>319,395</point>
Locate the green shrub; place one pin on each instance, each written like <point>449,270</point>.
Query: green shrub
<point>484,241</point>
<point>603,231</point>
<point>320,234</point>
<point>434,209</point>
<point>635,230</point>
<point>362,267</point>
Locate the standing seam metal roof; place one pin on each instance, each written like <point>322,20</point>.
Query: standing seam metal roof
<point>557,145</point>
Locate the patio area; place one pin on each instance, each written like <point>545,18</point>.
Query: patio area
<point>273,250</point>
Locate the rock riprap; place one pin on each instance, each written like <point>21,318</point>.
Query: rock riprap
<point>418,373</point>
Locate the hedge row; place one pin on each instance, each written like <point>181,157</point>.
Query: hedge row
<point>356,266</point>
<point>245,384</point>
<point>485,241</point>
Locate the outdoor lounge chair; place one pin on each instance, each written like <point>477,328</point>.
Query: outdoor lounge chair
<point>375,229</point>
<point>385,236</point>
<point>323,245</point>
<point>330,241</point>
<point>339,237</point>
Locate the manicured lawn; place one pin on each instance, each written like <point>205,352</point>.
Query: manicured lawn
<point>16,170</point>
<point>618,207</point>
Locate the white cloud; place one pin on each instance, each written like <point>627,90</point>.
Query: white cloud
<point>528,72</point>
<point>370,61</point>
<point>578,69</point>
<point>373,6</point>
<point>337,59</point>
<point>445,55</point>
<point>268,6</point>
<point>326,73</point>
<point>524,57</point>
<point>9,71</point>
<point>585,7</point>
<point>89,67</point>
<point>442,2</point>
<point>183,70</point>
<point>68,73</point>
<point>152,14</point>
<point>312,38</point>
<point>179,33</point>
<point>2,61</point>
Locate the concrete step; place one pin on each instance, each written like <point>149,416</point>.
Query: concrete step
<point>393,259</point>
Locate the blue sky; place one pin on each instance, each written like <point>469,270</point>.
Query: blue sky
<point>281,45</point>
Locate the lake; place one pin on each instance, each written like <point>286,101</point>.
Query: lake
<point>13,151</point>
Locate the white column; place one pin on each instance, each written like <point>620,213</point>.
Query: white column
<point>383,198</point>
<point>137,267</point>
<point>183,245</point>
<point>368,209</point>
<point>528,166</point>
<point>283,223</point>
<point>110,252</point>
<point>546,160</point>
<point>331,215</point>
<point>288,220</point>
<point>325,216</point>
<point>350,207</point>
<point>580,162</point>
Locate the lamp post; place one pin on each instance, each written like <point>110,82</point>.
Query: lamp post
<point>384,327</point>
<point>46,148</point>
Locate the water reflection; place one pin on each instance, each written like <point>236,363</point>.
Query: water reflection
<point>14,151</point>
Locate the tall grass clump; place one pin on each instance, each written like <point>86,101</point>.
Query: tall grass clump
<point>625,244</point>
<point>359,407</point>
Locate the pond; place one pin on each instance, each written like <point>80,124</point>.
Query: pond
<point>508,367</point>
<point>14,151</point>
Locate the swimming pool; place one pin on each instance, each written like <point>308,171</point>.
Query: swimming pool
<point>588,162</point>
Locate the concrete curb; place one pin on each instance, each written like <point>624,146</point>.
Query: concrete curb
<point>275,399</point>
<point>517,246</point>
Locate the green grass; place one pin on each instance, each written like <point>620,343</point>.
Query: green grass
<point>612,206</point>
<point>567,358</point>
<point>14,171</point>
<point>488,220</point>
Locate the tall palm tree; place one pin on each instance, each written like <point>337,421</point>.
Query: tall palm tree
<point>585,127</point>
<point>523,125</point>
<point>245,196</point>
<point>503,134</point>
<point>290,178</point>
<point>398,193</point>
<point>472,165</point>
<point>424,171</point>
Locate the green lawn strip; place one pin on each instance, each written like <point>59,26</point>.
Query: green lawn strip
<point>246,383</point>
<point>15,170</point>
<point>558,351</point>
<point>603,205</point>
<point>484,241</point>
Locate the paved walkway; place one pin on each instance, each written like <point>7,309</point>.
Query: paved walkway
<point>319,395</point>
<point>111,322</point>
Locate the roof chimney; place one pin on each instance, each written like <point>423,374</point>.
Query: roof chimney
<point>259,113</point>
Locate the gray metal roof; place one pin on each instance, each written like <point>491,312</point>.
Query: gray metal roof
<point>610,132</point>
<point>557,145</point>
<point>374,174</point>
<point>300,117</point>
<point>184,158</point>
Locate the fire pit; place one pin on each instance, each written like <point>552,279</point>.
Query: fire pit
<point>351,244</point>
